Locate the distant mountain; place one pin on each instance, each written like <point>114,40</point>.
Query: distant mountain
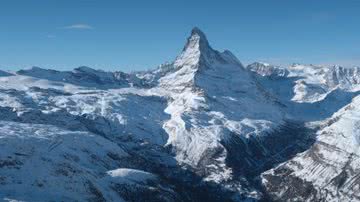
<point>201,128</point>
<point>264,69</point>
<point>84,76</point>
<point>4,73</point>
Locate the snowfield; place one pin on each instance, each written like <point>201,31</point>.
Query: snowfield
<point>202,128</point>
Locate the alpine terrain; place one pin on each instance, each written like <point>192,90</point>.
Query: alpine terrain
<point>202,128</point>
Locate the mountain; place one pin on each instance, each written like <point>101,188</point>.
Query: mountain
<point>264,69</point>
<point>201,128</point>
<point>4,73</point>
<point>329,170</point>
<point>203,85</point>
<point>84,76</point>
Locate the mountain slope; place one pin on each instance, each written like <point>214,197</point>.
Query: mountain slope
<point>329,169</point>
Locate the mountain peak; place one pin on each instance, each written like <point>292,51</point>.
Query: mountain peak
<point>197,47</point>
<point>198,51</point>
<point>197,39</point>
<point>265,69</point>
<point>85,69</point>
<point>196,32</point>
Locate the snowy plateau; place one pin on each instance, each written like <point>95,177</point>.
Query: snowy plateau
<point>202,128</point>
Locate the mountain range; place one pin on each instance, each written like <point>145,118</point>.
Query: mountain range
<point>202,128</point>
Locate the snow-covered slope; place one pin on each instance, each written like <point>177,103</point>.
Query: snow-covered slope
<point>329,170</point>
<point>201,128</point>
<point>42,162</point>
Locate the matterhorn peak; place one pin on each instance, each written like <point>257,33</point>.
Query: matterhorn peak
<point>198,38</point>
<point>197,48</point>
<point>197,31</point>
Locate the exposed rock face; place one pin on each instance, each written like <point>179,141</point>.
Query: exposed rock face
<point>344,77</point>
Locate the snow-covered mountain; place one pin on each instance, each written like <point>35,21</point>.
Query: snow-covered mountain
<point>84,76</point>
<point>265,69</point>
<point>329,169</point>
<point>328,99</point>
<point>202,128</point>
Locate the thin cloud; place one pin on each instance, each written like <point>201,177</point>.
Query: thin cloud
<point>50,36</point>
<point>78,26</point>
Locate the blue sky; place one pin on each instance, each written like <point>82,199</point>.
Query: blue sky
<point>135,35</point>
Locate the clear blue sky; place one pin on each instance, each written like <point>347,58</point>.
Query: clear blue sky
<point>134,35</point>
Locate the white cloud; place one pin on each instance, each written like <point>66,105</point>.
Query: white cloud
<point>78,26</point>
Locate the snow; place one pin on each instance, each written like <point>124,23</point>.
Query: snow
<point>131,175</point>
<point>83,77</point>
<point>265,69</point>
<point>41,162</point>
<point>71,128</point>
<point>335,151</point>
